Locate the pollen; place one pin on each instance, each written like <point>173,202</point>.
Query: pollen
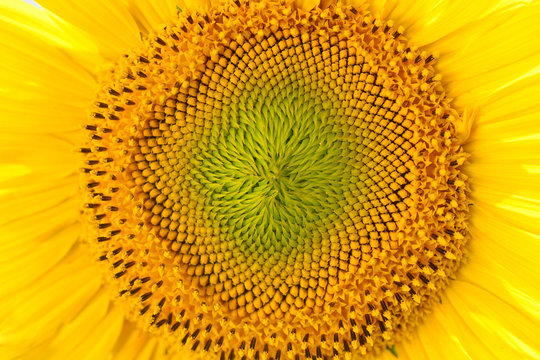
<point>267,183</point>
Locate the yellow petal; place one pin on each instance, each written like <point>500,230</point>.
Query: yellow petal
<point>34,158</point>
<point>148,351</point>
<point>12,171</point>
<point>36,253</point>
<point>440,341</point>
<point>505,150</point>
<point>412,349</point>
<point>486,55</point>
<point>489,223</point>
<point>520,212</point>
<point>404,13</point>
<point>134,343</point>
<point>44,81</point>
<point>386,354</point>
<point>458,330</point>
<point>194,5</point>
<point>506,268</point>
<point>505,278</point>
<point>307,5</point>
<point>100,342</point>
<point>18,203</point>
<point>34,314</point>
<point>514,104</point>
<point>75,332</point>
<point>152,15</point>
<point>108,23</point>
<point>131,342</point>
<point>427,21</point>
<point>508,332</point>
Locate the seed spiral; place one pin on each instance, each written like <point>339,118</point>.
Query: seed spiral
<point>269,183</point>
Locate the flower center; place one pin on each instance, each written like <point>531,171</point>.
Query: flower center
<point>276,173</point>
<point>265,182</point>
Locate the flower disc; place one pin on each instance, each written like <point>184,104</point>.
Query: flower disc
<point>269,183</point>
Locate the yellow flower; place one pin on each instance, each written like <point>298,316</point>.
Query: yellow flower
<point>269,179</point>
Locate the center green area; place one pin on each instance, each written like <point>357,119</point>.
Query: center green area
<point>276,168</point>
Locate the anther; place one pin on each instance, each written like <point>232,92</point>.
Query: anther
<point>160,41</point>
<point>135,291</point>
<point>144,310</point>
<point>114,233</point>
<point>368,319</point>
<point>366,331</point>
<point>146,296</point>
<point>441,250</point>
<point>346,346</point>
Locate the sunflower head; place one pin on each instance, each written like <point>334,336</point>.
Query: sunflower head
<point>263,181</point>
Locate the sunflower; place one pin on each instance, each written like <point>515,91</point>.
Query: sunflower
<point>269,179</point>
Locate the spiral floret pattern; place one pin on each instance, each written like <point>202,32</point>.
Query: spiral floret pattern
<point>269,183</point>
